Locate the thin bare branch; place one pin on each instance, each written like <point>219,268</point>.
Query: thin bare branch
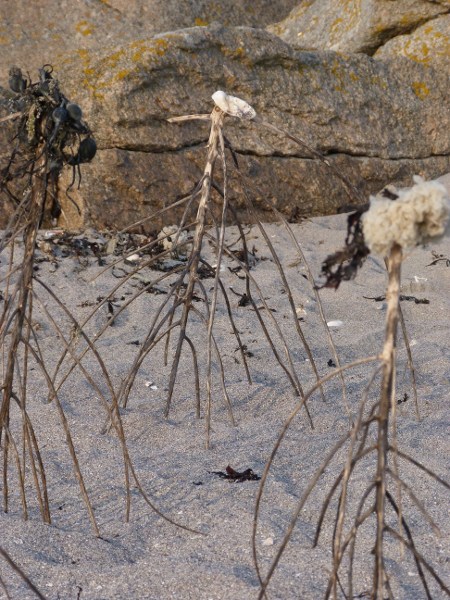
<point>11,117</point>
<point>21,574</point>
<point>184,118</point>
<point>419,558</point>
<point>420,466</point>
<point>312,483</point>
<point>416,501</point>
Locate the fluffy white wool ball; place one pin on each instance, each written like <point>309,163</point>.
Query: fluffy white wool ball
<point>420,212</point>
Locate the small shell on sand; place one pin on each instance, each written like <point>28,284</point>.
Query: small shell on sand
<point>335,323</point>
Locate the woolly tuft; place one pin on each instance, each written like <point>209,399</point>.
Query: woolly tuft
<point>421,212</point>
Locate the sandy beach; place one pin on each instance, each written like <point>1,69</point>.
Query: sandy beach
<point>151,559</point>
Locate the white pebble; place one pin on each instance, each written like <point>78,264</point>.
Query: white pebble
<point>335,323</point>
<point>134,258</point>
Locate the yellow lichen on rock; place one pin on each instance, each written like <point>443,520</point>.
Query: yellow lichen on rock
<point>426,45</point>
<point>340,76</point>
<point>421,89</point>
<point>85,28</point>
<point>156,47</point>
<point>341,26</point>
<point>378,81</point>
<point>238,52</point>
<point>111,61</point>
<point>119,64</point>
<point>89,73</point>
<point>123,74</point>
<point>161,46</point>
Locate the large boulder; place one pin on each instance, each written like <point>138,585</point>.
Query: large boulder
<point>167,15</point>
<point>428,44</point>
<point>354,26</point>
<point>40,31</point>
<point>348,104</point>
<point>371,118</point>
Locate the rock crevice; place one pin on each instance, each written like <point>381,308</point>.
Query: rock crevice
<point>396,33</point>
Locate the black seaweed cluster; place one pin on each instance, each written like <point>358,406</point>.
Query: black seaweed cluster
<point>343,265</point>
<point>46,122</point>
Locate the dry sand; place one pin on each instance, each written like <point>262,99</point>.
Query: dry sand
<point>149,558</point>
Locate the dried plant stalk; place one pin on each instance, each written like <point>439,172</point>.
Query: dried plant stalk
<point>264,583</point>
<point>21,574</point>
<point>47,131</point>
<point>173,315</point>
<point>37,200</point>
<point>377,494</point>
<point>217,117</point>
<point>387,397</point>
<point>15,322</point>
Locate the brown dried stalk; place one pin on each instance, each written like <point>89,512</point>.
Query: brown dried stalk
<point>42,141</point>
<point>387,397</point>
<point>15,322</point>
<point>21,574</point>
<point>180,296</point>
<point>359,447</point>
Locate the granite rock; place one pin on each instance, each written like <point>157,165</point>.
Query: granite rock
<point>354,26</point>
<point>38,32</point>
<point>429,44</point>
<point>376,121</point>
